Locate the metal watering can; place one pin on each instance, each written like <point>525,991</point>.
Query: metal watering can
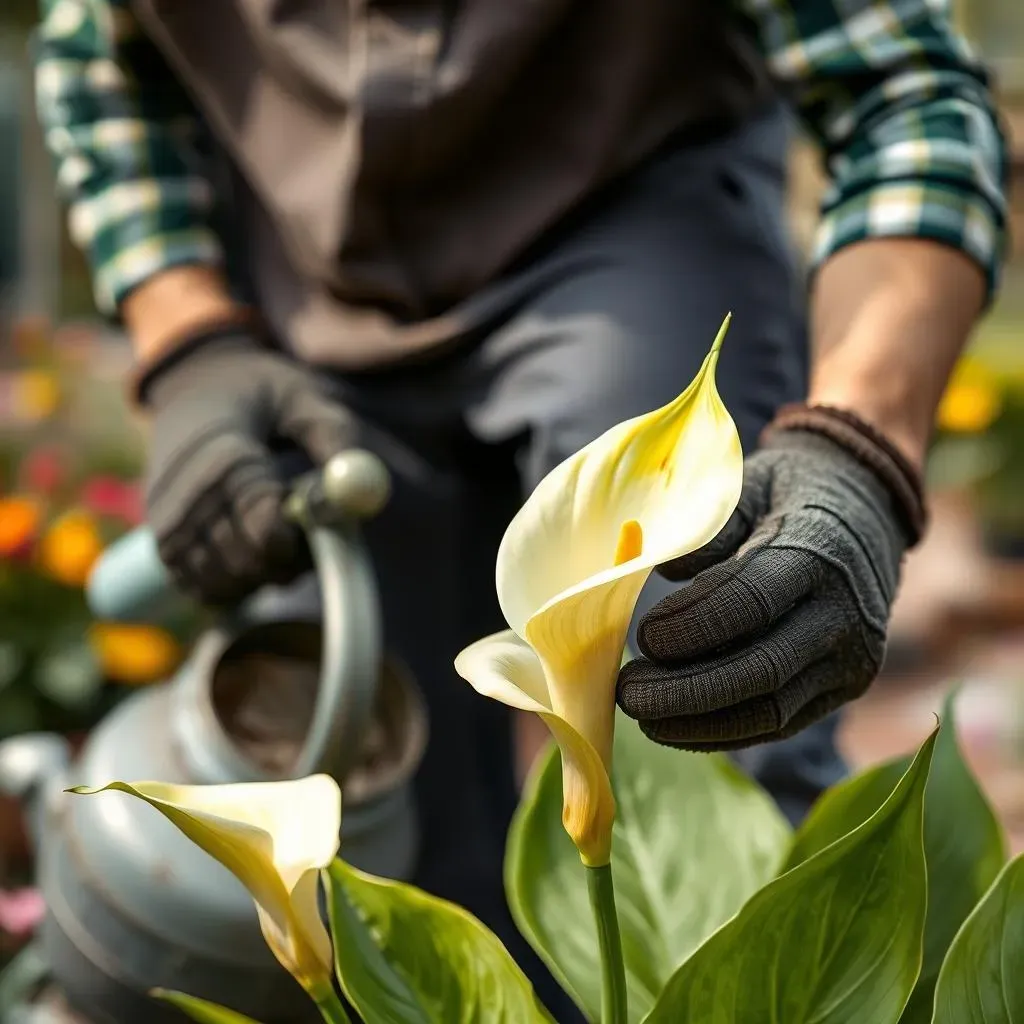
<point>269,693</point>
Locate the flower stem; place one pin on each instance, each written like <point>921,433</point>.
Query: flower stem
<point>330,1007</point>
<point>613,971</point>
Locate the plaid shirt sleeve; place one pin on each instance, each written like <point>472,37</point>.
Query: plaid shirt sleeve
<point>901,108</point>
<point>904,115</point>
<point>122,135</point>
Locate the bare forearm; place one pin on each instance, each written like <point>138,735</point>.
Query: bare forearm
<point>174,304</point>
<point>889,319</point>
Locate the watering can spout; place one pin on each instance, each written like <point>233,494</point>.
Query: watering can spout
<point>29,764</point>
<point>29,760</point>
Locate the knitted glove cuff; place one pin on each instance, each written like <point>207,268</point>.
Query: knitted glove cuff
<point>870,447</point>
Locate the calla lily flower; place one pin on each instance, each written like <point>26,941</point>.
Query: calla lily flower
<point>274,837</point>
<point>570,569</point>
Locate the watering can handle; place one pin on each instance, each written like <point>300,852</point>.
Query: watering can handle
<point>130,583</point>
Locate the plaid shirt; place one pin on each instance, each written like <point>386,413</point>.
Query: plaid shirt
<point>900,107</point>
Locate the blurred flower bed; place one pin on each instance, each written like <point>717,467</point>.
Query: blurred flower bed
<point>69,469</point>
<point>979,449</point>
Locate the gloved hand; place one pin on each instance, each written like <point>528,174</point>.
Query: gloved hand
<point>214,492</point>
<point>785,618</point>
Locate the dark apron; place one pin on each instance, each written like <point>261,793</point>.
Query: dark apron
<point>396,158</point>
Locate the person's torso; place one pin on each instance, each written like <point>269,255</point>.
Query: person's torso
<point>402,155</point>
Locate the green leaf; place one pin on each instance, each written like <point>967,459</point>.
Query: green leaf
<point>963,843</point>
<point>200,1009</point>
<point>406,957</point>
<point>694,839</point>
<point>844,807</point>
<point>837,940</point>
<point>981,981</point>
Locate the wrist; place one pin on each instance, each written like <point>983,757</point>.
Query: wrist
<point>175,305</point>
<point>886,407</point>
<point>890,316</point>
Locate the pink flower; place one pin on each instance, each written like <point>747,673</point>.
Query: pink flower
<point>21,910</point>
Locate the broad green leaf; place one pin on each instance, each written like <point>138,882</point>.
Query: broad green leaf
<point>982,981</point>
<point>845,806</point>
<point>837,940</point>
<point>406,957</point>
<point>963,843</point>
<point>200,1010</point>
<point>694,839</point>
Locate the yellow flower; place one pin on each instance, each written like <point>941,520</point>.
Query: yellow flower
<point>19,523</point>
<point>969,406</point>
<point>134,654</point>
<point>570,569</point>
<point>274,837</point>
<point>70,547</point>
<point>35,396</point>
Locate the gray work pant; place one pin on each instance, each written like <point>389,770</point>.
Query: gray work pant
<point>621,308</point>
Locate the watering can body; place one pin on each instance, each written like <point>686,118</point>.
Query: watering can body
<point>131,903</point>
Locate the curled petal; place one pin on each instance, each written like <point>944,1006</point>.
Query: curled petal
<point>501,666</point>
<point>505,668</point>
<point>274,837</point>
<point>676,472</point>
<point>579,642</point>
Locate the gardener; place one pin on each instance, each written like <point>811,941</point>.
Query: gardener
<point>472,237</point>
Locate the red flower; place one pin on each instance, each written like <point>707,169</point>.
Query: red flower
<point>113,498</point>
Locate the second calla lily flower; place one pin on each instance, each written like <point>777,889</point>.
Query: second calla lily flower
<point>570,569</point>
<point>275,837</point>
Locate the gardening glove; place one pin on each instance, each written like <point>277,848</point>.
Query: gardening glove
<point>785,618</point>
<point>219,407</point>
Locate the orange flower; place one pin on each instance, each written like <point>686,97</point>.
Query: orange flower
<point>134,655</point>
<point>70,547</point>
<point>19,524</point>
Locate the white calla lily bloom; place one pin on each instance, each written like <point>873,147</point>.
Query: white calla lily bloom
<point>274,837</point>
<point>570,569</point>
